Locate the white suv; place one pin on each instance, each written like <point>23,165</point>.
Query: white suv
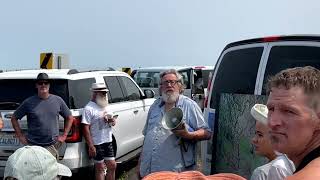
<point>126,100</point>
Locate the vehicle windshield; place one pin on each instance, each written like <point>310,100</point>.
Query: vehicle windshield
<point>147,79</point>
<point>14,91</point>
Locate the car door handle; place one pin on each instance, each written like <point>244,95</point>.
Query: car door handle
<point>135,111</point>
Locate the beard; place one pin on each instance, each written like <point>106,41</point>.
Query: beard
<point>102,101</point>
<point>170,97</point>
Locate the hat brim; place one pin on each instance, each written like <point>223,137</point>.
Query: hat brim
<point>260,113</point>
<point>64,170</point>
<point>99,90</point>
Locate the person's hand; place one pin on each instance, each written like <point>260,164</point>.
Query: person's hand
<point>62,138</point>
<point>106,117</point>
<point>183,133</point>
<point>112,121</point>
<point>23,139</point>
<point>92,151</point>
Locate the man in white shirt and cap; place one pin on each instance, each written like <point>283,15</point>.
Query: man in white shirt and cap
<point>98,132</point>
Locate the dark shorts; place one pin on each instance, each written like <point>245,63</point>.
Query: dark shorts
<point>104,151</point>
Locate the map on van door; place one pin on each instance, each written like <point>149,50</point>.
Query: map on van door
<point>236,127</point>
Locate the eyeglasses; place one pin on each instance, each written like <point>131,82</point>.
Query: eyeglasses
<point>43,83</point>
<point>172,82</point>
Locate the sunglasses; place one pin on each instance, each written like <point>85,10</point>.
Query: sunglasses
<point>43,83</point>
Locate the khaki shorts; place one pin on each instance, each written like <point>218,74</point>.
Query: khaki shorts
<point>53,149</point>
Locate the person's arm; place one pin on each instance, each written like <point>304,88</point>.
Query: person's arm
<point>87,136</point>
<point>195,122</point>
<point>86,122</point>
<point>67,127</point>
<point>1,123</point>
<point>198,135</point>
<point>66,113</point>
<point>144,132</point>
<point>18,130</point>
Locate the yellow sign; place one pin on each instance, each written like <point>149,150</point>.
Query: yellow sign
<point>46,60</point>
<point>127,70</point>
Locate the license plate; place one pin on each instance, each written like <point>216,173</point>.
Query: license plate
<point>9,140</point>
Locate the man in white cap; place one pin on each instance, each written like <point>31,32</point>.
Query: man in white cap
<point>98,133</point>
<point>36,163</point>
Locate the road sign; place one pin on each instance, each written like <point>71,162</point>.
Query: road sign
<point>127,70</point>
<point>46,60</point>
<point>54,61</point>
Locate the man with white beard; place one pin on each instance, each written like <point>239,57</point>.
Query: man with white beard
<point>98,133</point>
<point>162,148</point>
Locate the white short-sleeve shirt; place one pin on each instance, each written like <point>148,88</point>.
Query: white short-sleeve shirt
<point>93,115</point>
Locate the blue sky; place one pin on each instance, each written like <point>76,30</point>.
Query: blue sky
<point>141,33</point>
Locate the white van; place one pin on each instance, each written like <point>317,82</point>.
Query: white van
<point>244,67</point>
<point>195,79</point>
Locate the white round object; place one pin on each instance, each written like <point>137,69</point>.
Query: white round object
<point>260,113</point>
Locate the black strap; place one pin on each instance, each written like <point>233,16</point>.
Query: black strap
<point>308,158</point>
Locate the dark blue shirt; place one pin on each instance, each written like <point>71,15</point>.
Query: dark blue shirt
<point>43,118</point>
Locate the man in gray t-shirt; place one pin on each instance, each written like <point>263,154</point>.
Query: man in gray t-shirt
<point>42,111</point>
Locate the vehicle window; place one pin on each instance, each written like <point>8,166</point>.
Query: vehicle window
<point>186,77</point>
<point>237,73</point>
<point>80,93</point>
<point>205,76</point>
<point>283,57</point>
<point>14,91</point>
<point>132,91</point>
<point>147,79</point>
<point>115,91</point>
<point>198,86</point>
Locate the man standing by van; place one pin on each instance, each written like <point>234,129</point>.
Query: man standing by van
<point>42,111</point>
<point>98,133</point>
<point>294,118</point>
<point>162,149</point>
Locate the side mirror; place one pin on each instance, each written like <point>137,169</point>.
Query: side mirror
<point>148,93</point>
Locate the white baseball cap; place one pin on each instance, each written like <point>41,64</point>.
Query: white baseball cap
<point>36,163</point>
<point>260,113</point>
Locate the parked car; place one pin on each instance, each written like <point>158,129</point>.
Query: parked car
<point>244,67</point>
<point>195,79</point>
<point>126,99</point>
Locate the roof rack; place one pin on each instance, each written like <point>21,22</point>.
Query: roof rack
<point>74,71</point>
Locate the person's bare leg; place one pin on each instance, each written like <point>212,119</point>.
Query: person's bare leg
<point>111,169</point>
<point>99,170</point>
